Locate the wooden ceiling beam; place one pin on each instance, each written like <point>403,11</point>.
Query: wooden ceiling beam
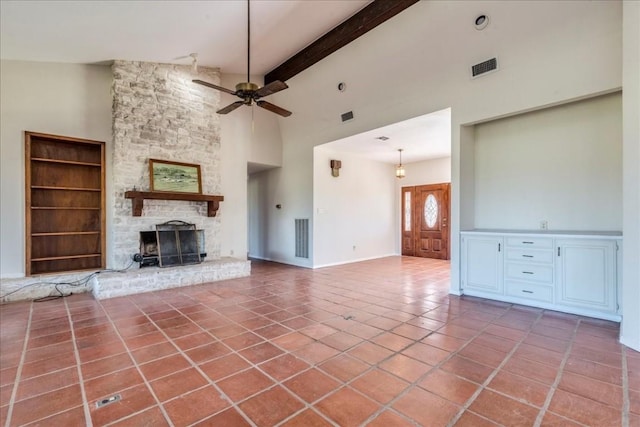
<point>372,15</point>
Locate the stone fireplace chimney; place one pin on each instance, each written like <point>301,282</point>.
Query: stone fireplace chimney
<point>159,113</point>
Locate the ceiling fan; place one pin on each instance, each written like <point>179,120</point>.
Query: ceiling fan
<point>248,92</point>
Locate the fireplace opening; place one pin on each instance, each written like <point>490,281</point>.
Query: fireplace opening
<point>172,243</point>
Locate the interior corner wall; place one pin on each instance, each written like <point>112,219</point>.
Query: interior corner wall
<point>562,165</point>
<point>60,99</point>
<point>630,328</point>
<point>354,213</point>
<point>248,135</point>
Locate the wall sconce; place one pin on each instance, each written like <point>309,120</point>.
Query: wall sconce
<point>400,168</point>
<point>335,167</point>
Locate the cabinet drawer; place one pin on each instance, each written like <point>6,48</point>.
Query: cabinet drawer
<point>530,255</point>
<point>530,242</point>
<point>530,272</point>
<point>530,291</point>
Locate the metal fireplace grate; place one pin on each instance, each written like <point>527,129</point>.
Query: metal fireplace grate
<point>173,243</point>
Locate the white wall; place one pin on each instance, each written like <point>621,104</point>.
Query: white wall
<point>549,53</point>
<point>562,165</point>
<point>61,99</point>
<point>630,330</point>
<point>354,213</point>
<point>432,171</point>
<point>247,135</point>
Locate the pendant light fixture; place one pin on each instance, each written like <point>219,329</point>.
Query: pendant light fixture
<point>400,168</point>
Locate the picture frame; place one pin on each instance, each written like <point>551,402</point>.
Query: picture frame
<point>174,177</point>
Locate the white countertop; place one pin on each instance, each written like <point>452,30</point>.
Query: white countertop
<point>551,233</point>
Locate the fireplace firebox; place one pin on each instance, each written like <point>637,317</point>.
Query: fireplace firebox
<point>172,243</point>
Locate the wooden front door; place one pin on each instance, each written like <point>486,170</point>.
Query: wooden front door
<point>425,221</point>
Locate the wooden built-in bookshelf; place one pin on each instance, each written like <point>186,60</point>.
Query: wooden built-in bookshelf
<point>65,204</point>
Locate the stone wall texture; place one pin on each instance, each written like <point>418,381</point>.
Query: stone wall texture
<point>159,113</point>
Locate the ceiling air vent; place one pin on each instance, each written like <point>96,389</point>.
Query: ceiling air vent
<point>484,67</point>
<point>347,116</point>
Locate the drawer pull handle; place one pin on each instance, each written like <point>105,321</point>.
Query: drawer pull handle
<point>527,243</point>
<point>527,272</point>
<point>527,292</point>
<point>527,256</point>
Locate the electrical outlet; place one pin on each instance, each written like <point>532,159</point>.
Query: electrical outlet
<point>544,225</point>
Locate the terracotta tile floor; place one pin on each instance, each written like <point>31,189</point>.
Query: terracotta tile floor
<point>377,343</point>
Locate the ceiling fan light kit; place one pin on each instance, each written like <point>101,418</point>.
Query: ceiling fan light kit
<point>248,92</point>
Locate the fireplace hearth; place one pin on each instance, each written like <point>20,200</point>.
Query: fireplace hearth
<point>172,243</point>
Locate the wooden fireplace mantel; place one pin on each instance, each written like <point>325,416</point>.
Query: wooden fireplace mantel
<point>138,197</point>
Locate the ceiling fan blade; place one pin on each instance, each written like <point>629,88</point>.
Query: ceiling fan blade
<point>273,87</point>
<point>229,108</point>
<point>212,86</point>
<point>273,108</point>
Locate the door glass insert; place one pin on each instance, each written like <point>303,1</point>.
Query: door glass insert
<point>407,211</point>
<point>430,210</point>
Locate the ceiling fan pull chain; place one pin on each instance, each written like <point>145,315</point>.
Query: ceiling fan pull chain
<point>248,41</point>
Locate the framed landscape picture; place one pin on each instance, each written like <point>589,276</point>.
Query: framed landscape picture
<point>175,177</point>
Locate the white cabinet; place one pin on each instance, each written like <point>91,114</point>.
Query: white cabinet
<point>482,256</point>
<point>587,273</point>
<point>571,272</point>
<point>529,271</point>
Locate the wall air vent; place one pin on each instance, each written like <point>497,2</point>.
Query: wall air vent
<point>484,67</point>
<point>302,238</point>
<point>347,116</point>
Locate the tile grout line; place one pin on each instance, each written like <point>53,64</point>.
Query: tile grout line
<point>23,356</point>
<point>76,354</point>
<point>136,365</point>
<point>412,385</point>
<point>495,372</point>
<point>556,382</point>
<point>253,365</point>
<point>625,390</point>
<point>194,365</point>
<point>237,352</point>
<point>347,384</point>
<point>307,406</point>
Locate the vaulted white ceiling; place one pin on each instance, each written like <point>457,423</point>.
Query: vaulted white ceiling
<point>96,31</point>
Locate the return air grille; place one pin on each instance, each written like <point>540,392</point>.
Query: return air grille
<point>484,67</point>
<point>347,116</point>
<point>302,238</point>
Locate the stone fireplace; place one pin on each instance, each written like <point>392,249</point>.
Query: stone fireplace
<point>158,113</point>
